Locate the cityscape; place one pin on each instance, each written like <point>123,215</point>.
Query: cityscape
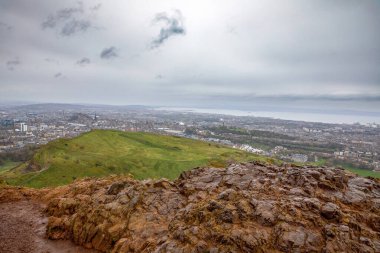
<point>353,145</point>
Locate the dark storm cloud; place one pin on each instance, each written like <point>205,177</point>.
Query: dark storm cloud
<point>83,62</point>
<point>12,64</point>
<point>173,26</point>
<point>108,53</point>
<point>68,21</point>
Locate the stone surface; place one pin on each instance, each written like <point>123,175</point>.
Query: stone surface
<point>330,211</point>
<point>249,207</point>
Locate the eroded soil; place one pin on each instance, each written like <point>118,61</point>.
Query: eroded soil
<point>22,229</point>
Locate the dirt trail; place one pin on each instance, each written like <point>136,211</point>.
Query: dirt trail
<point>22,229</point>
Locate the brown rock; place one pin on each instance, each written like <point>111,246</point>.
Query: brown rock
<point>266,213</point>
<point>248,207</point>
<point>330,211</point>
<point>115,188</point>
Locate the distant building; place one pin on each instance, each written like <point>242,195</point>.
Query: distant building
<point>23,127</point>
<point>279,149</point>
<point>32,128</point>
<point>251,149</point>
<point>300,158</point>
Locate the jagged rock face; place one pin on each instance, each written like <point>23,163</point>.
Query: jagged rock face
<point>243,208</point>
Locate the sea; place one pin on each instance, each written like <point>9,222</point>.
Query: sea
<point>332,118</point>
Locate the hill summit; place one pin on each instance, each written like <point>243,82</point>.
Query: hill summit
<point>248,207</point>
<point>100,153</point>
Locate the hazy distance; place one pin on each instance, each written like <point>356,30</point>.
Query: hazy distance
<point>283,57</point>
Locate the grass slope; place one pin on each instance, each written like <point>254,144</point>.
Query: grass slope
<point>349,167</point>
<point>103,152</point>
<point>364,173</point>
<point>7,166</point>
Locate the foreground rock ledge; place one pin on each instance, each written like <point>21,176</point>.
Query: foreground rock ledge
<point>243,208</point>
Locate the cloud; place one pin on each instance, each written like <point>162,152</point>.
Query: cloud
<point>96,7</point>
<point>231,30</point>
<point>52,60</point>
<point>109,53</point>
<point>58,75</point>
<point>68,21</point>
<point>174,25</point>
<point>61,16</point>
<point>335,52</point>
<point>11,64</point>
<point>75,26</point>
<point>83,62</point>
<point>5,26</point>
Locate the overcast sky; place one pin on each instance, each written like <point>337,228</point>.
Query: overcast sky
<point>216,53</point>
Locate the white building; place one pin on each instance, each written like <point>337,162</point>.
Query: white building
<point>23,127</point>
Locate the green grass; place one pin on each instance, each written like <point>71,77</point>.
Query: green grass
<point>103,152</point>
<point>7,166</point>
<point>358,171</point>
<point>349,167</point>
<point>364,173</point>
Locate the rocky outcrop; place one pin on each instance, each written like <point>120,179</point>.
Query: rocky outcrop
<point>247,207</point>
<point>12,194</point>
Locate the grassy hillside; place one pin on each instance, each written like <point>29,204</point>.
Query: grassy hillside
<point>347,166</point>
<point>103,152</point>
<point>364,173</point>
<point>7,165</point>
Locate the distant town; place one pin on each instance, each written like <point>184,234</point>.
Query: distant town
<point>353,145</point>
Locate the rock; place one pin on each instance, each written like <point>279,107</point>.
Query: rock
<point>266,213</point>
<point>244,209</point>
<point>354,196</point>
<point>227,194</point>
<point>292,239</point>
<point>248,207</point>
<point>226,216</point>
<point>330,211</point>
<point>163,183</point>
<point>115,188</point>
<point>214,205</point>
<point>56,228</point>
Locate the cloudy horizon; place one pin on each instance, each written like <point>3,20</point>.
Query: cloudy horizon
<point>315,55</point>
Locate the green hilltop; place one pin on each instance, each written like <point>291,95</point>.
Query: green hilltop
<point>104,152</point>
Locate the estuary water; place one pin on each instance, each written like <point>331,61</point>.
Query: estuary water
<point>333,118</point>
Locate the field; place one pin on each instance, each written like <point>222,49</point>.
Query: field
<point>349,167</point>
<point>358,171</point>
<point>364,173</point>
<point>104,152</point>
<point>7,166</point>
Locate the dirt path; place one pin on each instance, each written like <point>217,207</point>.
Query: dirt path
<point>22,229</point>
